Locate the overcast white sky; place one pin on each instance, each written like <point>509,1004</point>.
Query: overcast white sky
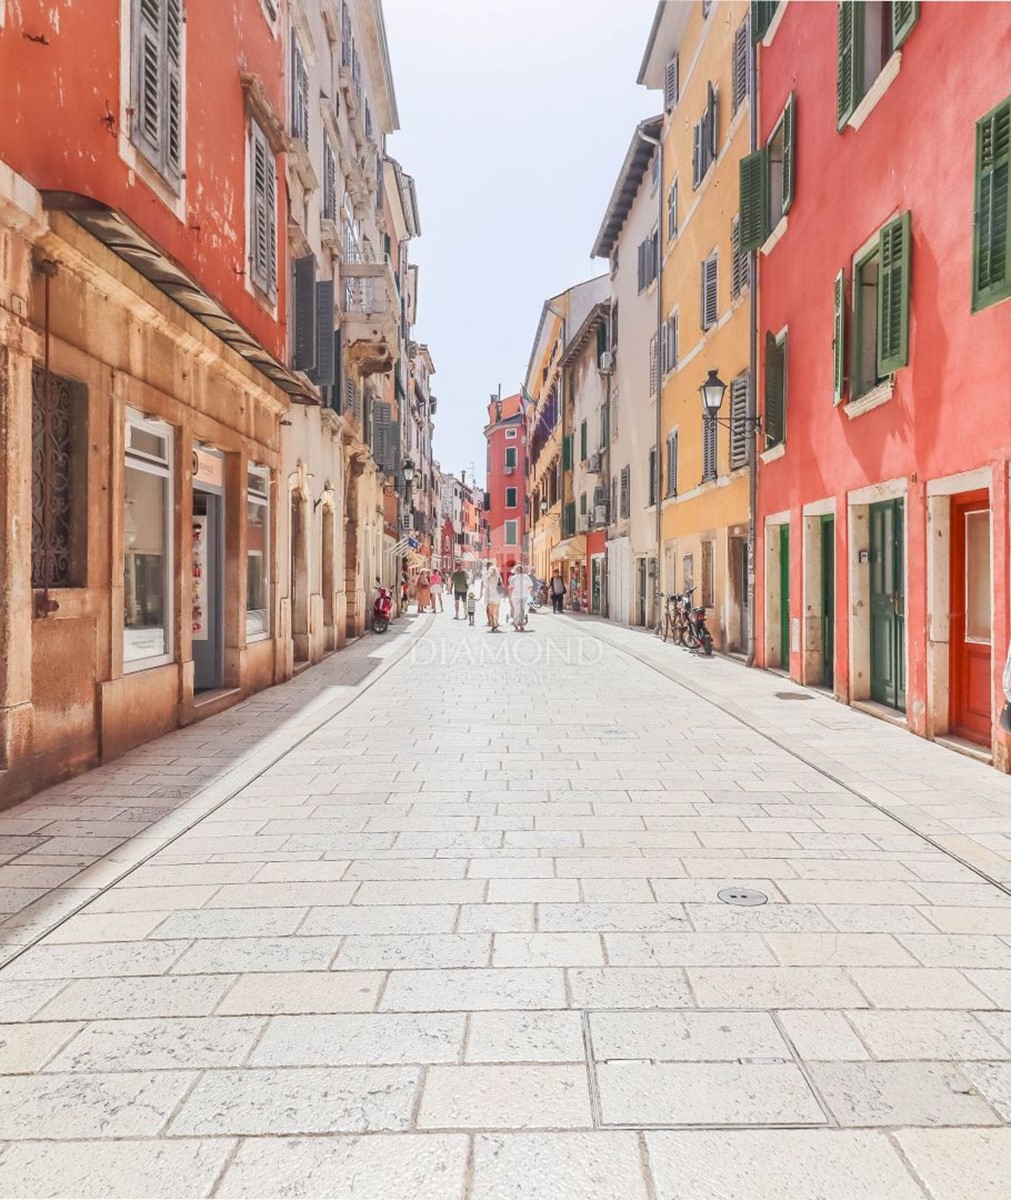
<point>515,117</point>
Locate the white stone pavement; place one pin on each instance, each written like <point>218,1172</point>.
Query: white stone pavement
<point>452,931</point>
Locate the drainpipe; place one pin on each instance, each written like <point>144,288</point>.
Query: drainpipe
<point>753,370</point>
<point>658,581</point>
<point>605,603</point>
<point>561,393</point>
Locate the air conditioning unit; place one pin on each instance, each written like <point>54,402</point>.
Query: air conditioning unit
<point>593,464</point>
<point>508,470</point>
<point>606,363</point>
<point>599,515</point>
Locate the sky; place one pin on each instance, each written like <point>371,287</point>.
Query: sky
<point>515,119</point>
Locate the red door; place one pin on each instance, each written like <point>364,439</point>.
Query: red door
<point>971,607</point>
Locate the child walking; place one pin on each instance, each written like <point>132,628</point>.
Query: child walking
<point>471,606</point>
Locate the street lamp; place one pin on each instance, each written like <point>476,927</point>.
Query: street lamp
<point>544,507</point>
<point>712,393</point>
<point>408,470</point>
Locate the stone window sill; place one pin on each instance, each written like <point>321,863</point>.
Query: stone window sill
<point>772,240</point>
<point>774,452</point>
<point>877,89</point>
<point>873,399</point>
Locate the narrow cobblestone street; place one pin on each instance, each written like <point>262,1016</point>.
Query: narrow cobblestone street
<point>441,918</point>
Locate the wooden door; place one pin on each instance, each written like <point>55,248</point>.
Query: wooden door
<point>784,597</point>
<point>828,601</point>
<point>970,693</point>
<point>888,603</point>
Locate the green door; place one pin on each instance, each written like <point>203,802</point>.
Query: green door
<point>784,596</point>
<point>888,604</point>
<point>828,601</point>
<point>596,580</point>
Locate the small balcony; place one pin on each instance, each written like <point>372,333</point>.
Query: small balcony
<point>371,316</point>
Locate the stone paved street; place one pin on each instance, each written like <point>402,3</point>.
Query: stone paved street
<point>440,919</point>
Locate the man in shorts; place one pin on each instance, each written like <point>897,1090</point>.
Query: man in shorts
<point>460,584</point>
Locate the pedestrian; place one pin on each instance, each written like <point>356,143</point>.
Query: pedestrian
<point>492,597</point>
<point>557,590</point>
<point>405,591</point>
<point>437,589</point>
<point>461,585</point>
<point>423,590</point>
<point>471,606</point>
<point>520,588</point>
<point>483,594</point>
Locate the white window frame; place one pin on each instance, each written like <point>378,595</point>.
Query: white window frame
<point>261,499</point>
<point>515,500</point>
<point>510,451</point>
<point>511,533</point>
<point>163,469</point>
<point>510,433</point>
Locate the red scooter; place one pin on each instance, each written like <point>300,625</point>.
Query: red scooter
<point>382,609</point>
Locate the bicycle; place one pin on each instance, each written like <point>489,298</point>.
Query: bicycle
<point>674,623</point>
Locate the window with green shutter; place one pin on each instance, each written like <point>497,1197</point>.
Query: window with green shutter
<point>905,14</point>
<point>893,295</point>
<point>991,251</point>
<point>839,338</point>
<point>582,442</point>
<point>775,390</point>
<point>762,12</point>
<point>846,81</point>
<point>870,31</point>
<point>767,181</point>
<point>567,452</point>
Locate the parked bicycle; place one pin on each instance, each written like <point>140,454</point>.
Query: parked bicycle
<point>685,622</point>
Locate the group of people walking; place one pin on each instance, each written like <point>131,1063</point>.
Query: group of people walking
<point>517,588</point>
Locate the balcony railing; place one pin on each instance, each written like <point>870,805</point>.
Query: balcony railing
<point>371,315</point>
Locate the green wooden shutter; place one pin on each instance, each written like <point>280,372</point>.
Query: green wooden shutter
<point>754,200</point>
<point>762,12</point>
<point>789,123</point>
<point>846,85</point>
<point>567,452</point>
<point>775,358</point>
<point>173,88</point>
<point>304,339</point>
<point>582,442</point>
<point>838,339</point>
<point>991,255</point>
<point>893,295</point>
<point>905,14</point>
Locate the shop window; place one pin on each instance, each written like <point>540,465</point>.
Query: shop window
<point>257,553</point>
<point>147,549</point>
<point>59,482</point>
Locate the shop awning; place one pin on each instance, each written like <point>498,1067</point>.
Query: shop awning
<point>573,547</point>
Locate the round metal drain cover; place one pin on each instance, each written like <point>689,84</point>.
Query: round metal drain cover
<point>745,897</point>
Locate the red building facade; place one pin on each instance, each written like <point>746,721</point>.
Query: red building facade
<point>878,204</point>
<point>506,514</point>
<point>142,301</point>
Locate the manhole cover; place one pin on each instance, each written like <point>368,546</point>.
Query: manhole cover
<point>793,696</point>
<point>745,897</point>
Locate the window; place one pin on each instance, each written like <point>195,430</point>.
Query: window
<point>705,147</point>
<point>767,181</point>
<point>59,481</point>
<point>511,528</point>
<point>329,180</point>
<point>775,390</point>
<point>614,499</point>
<point>654,367</point>
<point>709,447</point>
<point>739,389</point>
<point>688,570</point>
<point>582,504</point>
<point>880,310</point>
<point>157,85</point>
<point>672,463</point>
<point>649,260</point>
<point>569,518</point>
<point>654,482</point>
<point>257,553</point>
<point>510,433</point>
<point>147,544</point>
<point>671,84</point>
<point>869,33</point>
<point>626,502</point>
<point>762,12</point>
<point>740,261</point>
<point>991,249</point>
<point>604,434</point>
<point>262,213</point>
<point>567,452</point>
<point>583,439</point>
<point>739,66</point>
<point>510,457</point>
<point>299,93</point>
<point>654,172</point>
<point>672,211</point>
<point>669,343</point>
<point>708,299</point>
<point>510,497</point>
<point>708,580</point>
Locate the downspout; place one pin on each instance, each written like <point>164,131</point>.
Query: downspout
<point>658,581</point>
<point>753,372</point>
<point>605,591</point>
<point>561,393</point>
